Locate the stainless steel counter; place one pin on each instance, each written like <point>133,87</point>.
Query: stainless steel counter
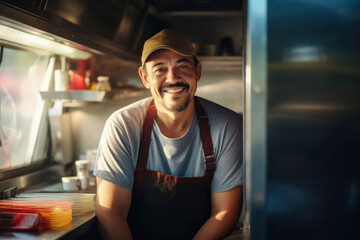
<point>82,226</point>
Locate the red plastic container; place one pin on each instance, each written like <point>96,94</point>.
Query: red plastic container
<point>31,215</point>
<point>19,221</point>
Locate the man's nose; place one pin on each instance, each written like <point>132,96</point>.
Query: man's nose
<point>172,74</point>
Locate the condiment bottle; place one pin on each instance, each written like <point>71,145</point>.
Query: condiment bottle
<point>103,83</point>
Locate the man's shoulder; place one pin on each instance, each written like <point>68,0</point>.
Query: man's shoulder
<point>217,111</point>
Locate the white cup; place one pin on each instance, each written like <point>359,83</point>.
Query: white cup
<point>84,182</point>
<point>82,168</point>
<point>91,157</point>
<point>71,183</point>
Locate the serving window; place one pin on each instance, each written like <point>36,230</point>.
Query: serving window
<point>24,134</point>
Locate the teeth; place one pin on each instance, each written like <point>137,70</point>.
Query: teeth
<point>174,91</point>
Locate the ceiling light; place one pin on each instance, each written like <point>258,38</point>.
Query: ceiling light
<point>42,43</point>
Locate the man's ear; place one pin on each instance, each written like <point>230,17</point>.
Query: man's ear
<point>198,71</point>
<point>143,77</point>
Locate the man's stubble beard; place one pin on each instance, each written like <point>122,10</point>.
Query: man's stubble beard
<point>180,108</point>
<point>183,106</point>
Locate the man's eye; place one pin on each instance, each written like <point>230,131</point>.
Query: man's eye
<point>183,67</point>
<point>159,70</point>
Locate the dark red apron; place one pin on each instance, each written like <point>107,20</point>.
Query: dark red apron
<point>166,206</point>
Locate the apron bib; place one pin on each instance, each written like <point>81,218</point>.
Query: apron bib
<point>165,206</point>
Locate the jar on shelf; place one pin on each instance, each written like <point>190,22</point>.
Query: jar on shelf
<point>103,83</point>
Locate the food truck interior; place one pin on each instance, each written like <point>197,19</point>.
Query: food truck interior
<point>290,68</point>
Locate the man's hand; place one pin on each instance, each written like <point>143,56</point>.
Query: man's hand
<point>226,207</point>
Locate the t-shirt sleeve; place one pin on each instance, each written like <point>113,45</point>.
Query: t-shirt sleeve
<point>228,148</point>
<point>115,156</point>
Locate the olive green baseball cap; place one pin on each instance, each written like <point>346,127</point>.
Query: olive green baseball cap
<point>168,39</point>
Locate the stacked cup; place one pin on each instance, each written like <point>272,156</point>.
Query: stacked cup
<point>82,170</point>
<point>71,183</point>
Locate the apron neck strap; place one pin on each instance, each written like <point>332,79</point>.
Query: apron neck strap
<point>146,138</point>
<point>205,135</point>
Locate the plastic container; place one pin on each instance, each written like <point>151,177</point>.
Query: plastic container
<point>103,83</point>
<point>82,202</point>
<point>19,221</point>
<point>52,214</point>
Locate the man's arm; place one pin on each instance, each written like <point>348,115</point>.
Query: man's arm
<point>112,207</point>
<point>226,207</point>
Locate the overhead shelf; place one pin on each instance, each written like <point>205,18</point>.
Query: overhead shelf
<point>201,14</point>
<point>221,62</point>
<point>91,95</point>
<point>79,95</point>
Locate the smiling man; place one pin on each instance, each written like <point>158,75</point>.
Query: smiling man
<point>170,166</point>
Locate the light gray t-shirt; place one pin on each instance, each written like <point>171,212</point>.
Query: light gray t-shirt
<point>183,157</point>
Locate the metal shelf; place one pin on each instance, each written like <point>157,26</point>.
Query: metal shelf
<point>221,62</point>
<point>92,95</point>
<point>78,95</point>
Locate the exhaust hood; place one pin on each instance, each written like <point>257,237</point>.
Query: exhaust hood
<point>118,27</point>
<point>25,23</point>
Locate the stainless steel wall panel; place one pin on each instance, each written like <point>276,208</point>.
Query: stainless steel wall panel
<point>255,85</point>
<point>312,120</point>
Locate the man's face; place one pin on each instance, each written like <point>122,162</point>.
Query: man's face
<point>171,78</point>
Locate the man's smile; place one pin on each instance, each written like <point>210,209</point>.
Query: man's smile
<point>174,88</point>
